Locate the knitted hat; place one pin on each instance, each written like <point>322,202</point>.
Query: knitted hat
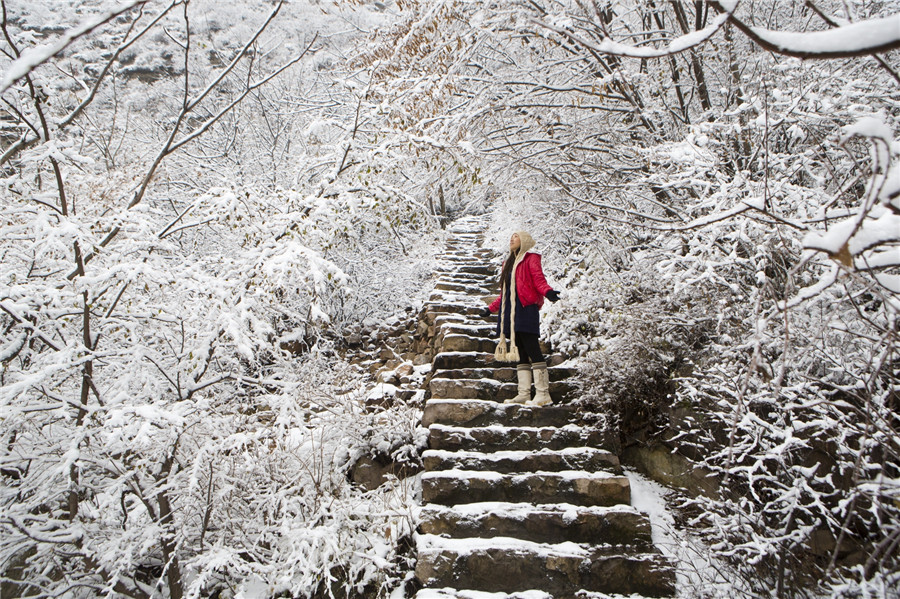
<point>526,242</point>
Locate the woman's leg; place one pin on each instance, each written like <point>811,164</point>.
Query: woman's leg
<point>526,343</point>
<point>529,348</point>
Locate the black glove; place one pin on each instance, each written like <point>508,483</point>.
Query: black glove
<point>484,313</point>
<point>553,295</point>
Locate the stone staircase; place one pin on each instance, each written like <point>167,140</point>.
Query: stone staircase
<point>516,498</point>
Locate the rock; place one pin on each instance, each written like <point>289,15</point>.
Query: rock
<point>586,458</point>
<point>556,570</point>
<point>457,360</point>
<point>464,343</point>
<point>388,376</point>
<point>471,487</point>
<point>464,388</point>
<point>369,473</point>
<point>622,525</point>
<point>660,464</point>
<point>488,413</point>
<point>516,439</point>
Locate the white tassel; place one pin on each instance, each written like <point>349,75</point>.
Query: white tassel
<point>500,352</point>
<point>513,354</point>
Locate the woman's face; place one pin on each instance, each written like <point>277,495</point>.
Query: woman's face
<point>515,243</point>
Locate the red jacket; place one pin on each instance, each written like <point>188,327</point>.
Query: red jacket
<point>531,286</point>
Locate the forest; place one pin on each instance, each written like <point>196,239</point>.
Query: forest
<point>205,204</point>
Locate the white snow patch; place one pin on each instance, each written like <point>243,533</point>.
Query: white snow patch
<point>695,567</point>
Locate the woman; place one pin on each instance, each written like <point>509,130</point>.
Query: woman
<point>523,280</point>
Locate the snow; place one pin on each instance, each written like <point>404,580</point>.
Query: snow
<point>569,475</point>
<point>433,543</point>
<point>519,510</point>
<point>696,570</point>
<point>498,428</point>
<point>35,55</point>
<point>513,455</point>
<point>855,37</point>
<point>249,241</point>
<point>869,126</point>
<point>464,594</point>
<point>679,44</point>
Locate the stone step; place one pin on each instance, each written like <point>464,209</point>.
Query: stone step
<point>465,343</point>
<point>485,270</point>
<point>520,438</point>
<point>452,276</point>
<point>587,459</point>
<point>493,390</point>
<point>506,373</point>
<point>466,254</point>
<point>508,565</point>
<point>468,328</point>
<point>468,289</point>
<point>450,487</point>
<point>448,593</point>
<point>443,320</point>
<point>444,297</point>
<point>480,413</point>
<point>484,389</point>
<point>457,360</point>
<point>549,523</point>
<point>485,287</point>
<point>456,265</point>
<point>433,310</point>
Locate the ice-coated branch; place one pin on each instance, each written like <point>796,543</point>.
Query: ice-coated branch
<point>608,46</point>
<point>864,38</point>
<point>847,41</point>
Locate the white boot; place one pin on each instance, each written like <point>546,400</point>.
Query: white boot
<point>524,374</point>
<point>541,385</point>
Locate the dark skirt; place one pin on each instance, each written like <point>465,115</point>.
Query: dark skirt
<point>528,318</point>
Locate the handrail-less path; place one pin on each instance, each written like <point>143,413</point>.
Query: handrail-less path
<point>516,498</point>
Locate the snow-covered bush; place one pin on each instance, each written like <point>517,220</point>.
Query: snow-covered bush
<point>172,422</point>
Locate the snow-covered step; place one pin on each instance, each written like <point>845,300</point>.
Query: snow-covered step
<point>442,320</point>
<point>548,523</point>
<point>486,269</point>
<point>449,487</point>
<point>468,255</point>
<point>589,459</point>
<point>504,372</point>
<point>448,593</point>
<point>504,438</point>
<point>485,389</point>
<point>488,287</point>
<point>477,412</point>
<point>476,329</point>
<point>561,569</point>
<point>454,360</point>
<point>443,296</point>
<point>437,309</point>
<point>459,305</point>
<point>468,289</point>
<point>491,389</point>
<point>465,255</point>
